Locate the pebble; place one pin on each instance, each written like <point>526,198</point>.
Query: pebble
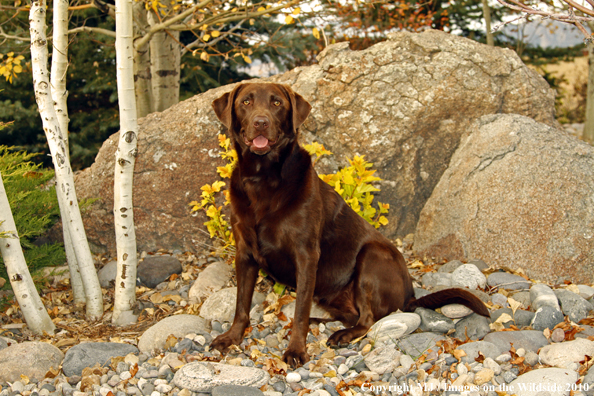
<point>505,280</point>
<point>546,317</point>
<point>455,311</point>
<point>390,354</point>
<point>468,276</point>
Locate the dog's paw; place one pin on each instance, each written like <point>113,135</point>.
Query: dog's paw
<point>222,343</point>
<point>295,358</point>
<point>340,338</point>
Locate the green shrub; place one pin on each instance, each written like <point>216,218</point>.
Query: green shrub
<point>34,207</point>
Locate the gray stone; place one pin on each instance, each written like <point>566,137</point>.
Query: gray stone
<point>434,279</point>
<point>315,312</point>
<point>563,354</point>
<point>573,305</point>
<point>213,278</point>
<point>33,359</point>
<point>542,295</point>
<point>586,291</point>
<point>520,319</point>
<point>456,311</point>
<point>3,344</point>
<point>418,343</point>
<point>472,349</point>
<point>221,305</point>
<point>500,300</point>
<point>523,297</point>
<point>505,280</point>
<point>392,94</point>
<point>588,331</point>
<point>107,274</point>
<point>383,359</point>
<point>531,358</point>
<point>516,183</point>
<point>539,382</point>
<point>156,269</point>
<point>468,276</point>
<point>205,376</point>
<point>530,340</point>
<point>480,264</point>
<point>419,292</point>
<point>450,266</point>
<point>546,318</point>
<point>153,339</point>
<point>433,321</point>
<point>87,354</point>
<point>236,390</point>
<point>474,326</point>
<point>394,326</point>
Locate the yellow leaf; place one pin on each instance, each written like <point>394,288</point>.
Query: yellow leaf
<point>316,33</point>
<point>382,220</point>
<point>204,56</point>
<point>296,11</point>
<point>247,59</point>
<point>215,33</point>
<point>252,21</point>
<point>289,19</point>
<point>216,186</point>
<point>261,9</point>
<point>206,37</point>
<point>18,69</point>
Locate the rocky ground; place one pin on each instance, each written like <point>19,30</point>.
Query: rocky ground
<point>539,339</point>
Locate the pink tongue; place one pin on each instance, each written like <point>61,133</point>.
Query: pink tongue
<point>260,142</point>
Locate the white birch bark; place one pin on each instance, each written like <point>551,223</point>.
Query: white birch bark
<point>125,285</point>
<point>142,63</point>
<point>58,150</point>
<point>22,284</point>
<point>59,95</point>
<point>165,67</point>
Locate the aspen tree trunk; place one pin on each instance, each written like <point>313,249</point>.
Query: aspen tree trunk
<point>20,279</point>
<point>64,175</point>
<point>125,285</point>
<point>142,64</point>
<point>589,125</point>
<point>487,16</point>
<point>59,95</point>
<point>165,67</point>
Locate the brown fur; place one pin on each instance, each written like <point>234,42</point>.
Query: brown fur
<point>295,227</point>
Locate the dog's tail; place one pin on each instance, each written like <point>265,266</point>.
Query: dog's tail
<point>449,296</point>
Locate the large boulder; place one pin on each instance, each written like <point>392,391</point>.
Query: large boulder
<point>517,194</point>
<point>403,103</point>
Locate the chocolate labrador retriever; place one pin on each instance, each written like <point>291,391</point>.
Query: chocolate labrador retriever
<point>291,224</point>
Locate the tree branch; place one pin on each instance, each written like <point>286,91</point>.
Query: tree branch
<point>11,37</point>
<point>88,29</point>
<point>198,43</point>
<point>164,25</point>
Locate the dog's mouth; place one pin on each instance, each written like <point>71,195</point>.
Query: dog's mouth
<point>260,144</point>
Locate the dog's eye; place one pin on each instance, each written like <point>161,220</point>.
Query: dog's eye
<point>276,103</point>
<point>246,102</point>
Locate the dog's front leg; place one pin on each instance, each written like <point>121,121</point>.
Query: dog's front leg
<point>306,268</point>
<point>247,272</point>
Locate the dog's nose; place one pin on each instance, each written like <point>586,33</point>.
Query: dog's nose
<point>261,123</point>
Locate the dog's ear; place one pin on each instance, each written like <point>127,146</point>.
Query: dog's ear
<point>299,107</point>
<point>223,107</point>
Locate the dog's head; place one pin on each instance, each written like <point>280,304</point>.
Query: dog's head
<point>262,116</point>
